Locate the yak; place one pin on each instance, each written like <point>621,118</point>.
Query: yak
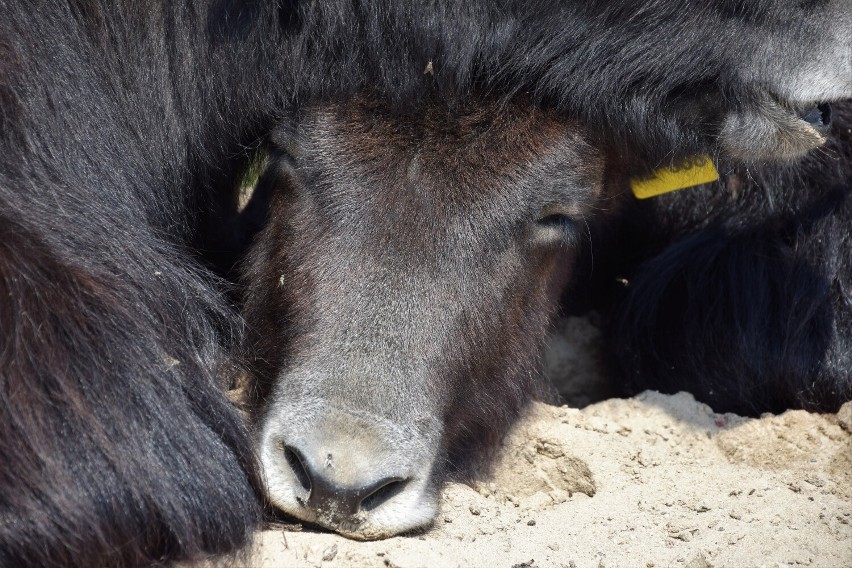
<point>125,129</point>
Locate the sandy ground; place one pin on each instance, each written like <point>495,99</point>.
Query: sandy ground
<point>651,481</point>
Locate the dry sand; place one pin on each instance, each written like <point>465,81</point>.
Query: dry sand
<point>651,481</point>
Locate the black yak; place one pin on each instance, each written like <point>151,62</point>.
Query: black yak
<point>125,127</point>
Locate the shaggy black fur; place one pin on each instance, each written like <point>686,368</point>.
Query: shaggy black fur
<point>122,128</point>
<point>741,291</point>
<point>117,444</point>
<point>660,77</point>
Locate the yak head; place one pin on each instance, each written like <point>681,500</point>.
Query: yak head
<point>399,296</point>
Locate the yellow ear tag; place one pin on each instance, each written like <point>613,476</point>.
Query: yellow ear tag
<point>691,172</point>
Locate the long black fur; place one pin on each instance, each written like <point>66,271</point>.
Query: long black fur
<point>123,126</point>
<point>117,443</point>
<point>657,77</point>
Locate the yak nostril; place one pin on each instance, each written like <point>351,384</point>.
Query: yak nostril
<point>326,495</point>
<point>325,492</point>
<point>297,465</point>
<point>381,492</point>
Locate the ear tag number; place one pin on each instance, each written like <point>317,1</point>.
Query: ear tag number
<point>691,172</point>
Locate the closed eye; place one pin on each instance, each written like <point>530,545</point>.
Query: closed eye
<point>555,227</point>
<point>555,220</point>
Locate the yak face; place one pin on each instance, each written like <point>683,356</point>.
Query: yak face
<point>399,295</point>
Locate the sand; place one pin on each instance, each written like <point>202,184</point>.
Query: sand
<point>651,481</point>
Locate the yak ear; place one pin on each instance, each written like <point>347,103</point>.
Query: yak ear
<point>763,130</point>
<point>791,60</point>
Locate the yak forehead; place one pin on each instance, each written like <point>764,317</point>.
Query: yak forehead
<point>442,179</point>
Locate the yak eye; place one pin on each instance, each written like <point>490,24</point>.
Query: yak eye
<point>555,220</point>
<point>554,227</point>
